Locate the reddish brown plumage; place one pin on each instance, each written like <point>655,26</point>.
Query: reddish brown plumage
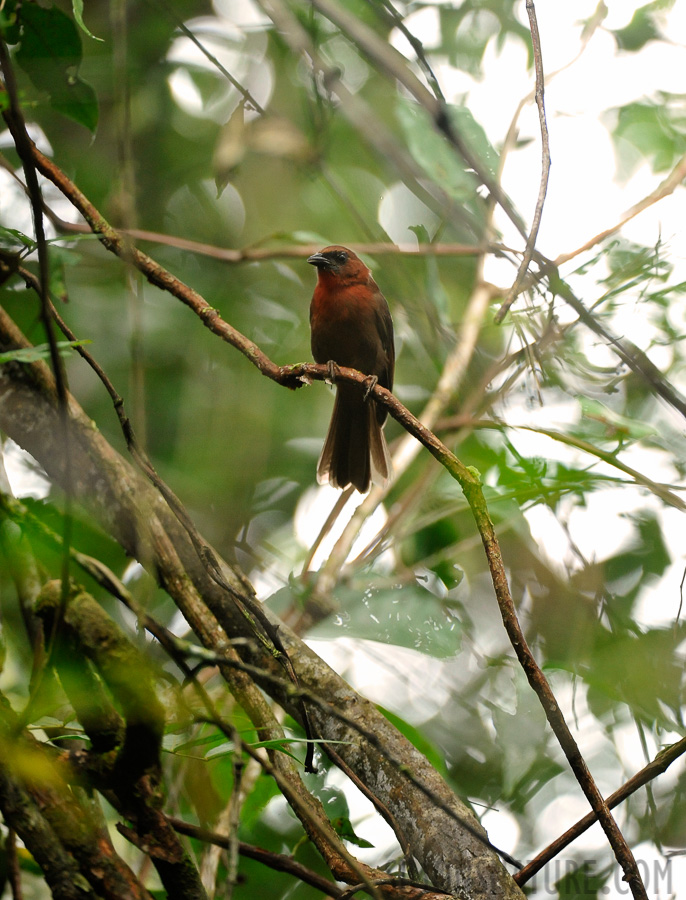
<point>352,326</point>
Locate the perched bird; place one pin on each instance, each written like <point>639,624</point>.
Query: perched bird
<point>352,326</point>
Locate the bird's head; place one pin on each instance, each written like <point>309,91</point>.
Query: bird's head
<point>339,262</point>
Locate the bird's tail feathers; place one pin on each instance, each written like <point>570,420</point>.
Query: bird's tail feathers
<point>355,450</point>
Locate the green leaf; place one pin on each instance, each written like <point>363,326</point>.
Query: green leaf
<point>643,26</point>
<point>408,615</point>
<point>418,740</point>
<point>77,6</point>
<point>10,237</point>
<point>582,883</point>
<point>50,54</point>
<point>615,425</point>
<point>9,23</point>
<point>655,130</point>
<point>39,352</point>
<point>467,28</point>
<point>343,827</point>
<point>642,671</point>
<point>435,155</point>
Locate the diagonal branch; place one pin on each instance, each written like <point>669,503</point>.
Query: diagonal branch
<point>137,516</point>
<point>467,478</point>
<point>655,767</point>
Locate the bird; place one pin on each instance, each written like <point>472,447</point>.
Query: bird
<point>351,326</point>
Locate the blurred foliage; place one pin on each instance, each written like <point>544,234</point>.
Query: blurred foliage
<point>283,166</point>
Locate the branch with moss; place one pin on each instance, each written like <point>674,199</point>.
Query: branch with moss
<point>293,376</point>
<point>139,518</point>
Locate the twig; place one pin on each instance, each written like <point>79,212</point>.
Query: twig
<point>656,767</point>
<point>389,61</point>
<point>545,166</point>
<point>664,189</point>
<point>13,870</point>
<point>541,686</point>
<point>392,15</point>
<point>234,819</point>
<point>245,94</point>
<point>277,861</point>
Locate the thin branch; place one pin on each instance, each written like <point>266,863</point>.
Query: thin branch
<point>385,10</point>
<point>656,767</point>
<point>394,65</point>
<point>256,253</point>
<point>277,861</point>
<point>664,189</point>
<point>545,166</point>
<point>245,94</point>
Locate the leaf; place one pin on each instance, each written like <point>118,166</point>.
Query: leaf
<point>9,23</point>
<point>642,28</point>
<point>77,7</point>
<point>655,130</point>
<point>642,671</point>
<point>433,153</point>
<point>404,616</point>
<point>418,739</point>
<point>39,352</point>
<point>582,883</point>
<point>467,28</point>
<point>343,827</point>
<point>10,237</point>
<point>50,54</point>
<point>615,425</point>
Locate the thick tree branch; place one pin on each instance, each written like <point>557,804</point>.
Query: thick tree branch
<point>138,517</point>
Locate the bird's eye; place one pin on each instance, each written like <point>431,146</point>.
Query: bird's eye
<point>341,257</point>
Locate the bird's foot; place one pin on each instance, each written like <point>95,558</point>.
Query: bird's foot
<point>333,369</point>
<point>370,384</point>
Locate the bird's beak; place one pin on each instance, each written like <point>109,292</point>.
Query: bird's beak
<point>321,261</point>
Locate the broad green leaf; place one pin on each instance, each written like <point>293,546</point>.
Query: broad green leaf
<point>343,828</point>
<point>438,159</point>
<point>467,28</point>
<point>50,54</point>
<point>640,670</point>
<point>408,615</point>
<point>10,238</point>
